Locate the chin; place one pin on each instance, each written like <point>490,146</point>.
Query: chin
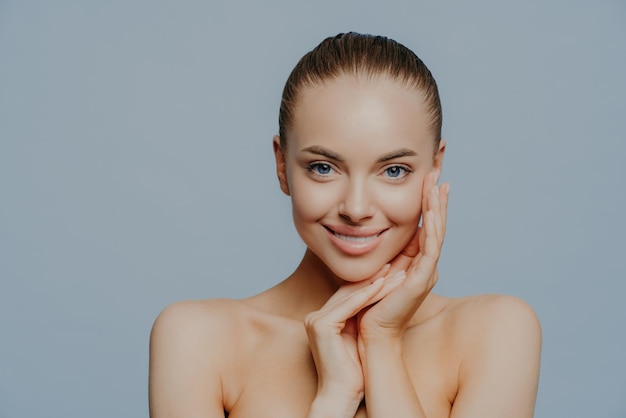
<point>350,269</point>
<point>356,270</point>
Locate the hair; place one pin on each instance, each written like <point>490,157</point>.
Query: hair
<point>359,54</point>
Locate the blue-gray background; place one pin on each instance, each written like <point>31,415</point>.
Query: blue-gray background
<point>136,170</point>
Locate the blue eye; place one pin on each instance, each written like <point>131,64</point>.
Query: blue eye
<point>321,169</point>
<point>396,171</point>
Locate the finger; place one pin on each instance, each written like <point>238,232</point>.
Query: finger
<point>439,208</point>
<point>435,202</point>
<point>426,187</point>
<point>431,244</point>
<point>386,285</point>
<point>342,309</point>
<point>347,289</point>
<point>428,183</point>
<point>381,273</point>
<point>444,205</point>
<point>422,265</point>
<point>434,207</point>
<point>442,213</point>
<point>391,283</point>
<point>422,237</point>
<point>400,302</point>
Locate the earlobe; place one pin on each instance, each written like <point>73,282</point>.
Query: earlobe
<point>281,165</point>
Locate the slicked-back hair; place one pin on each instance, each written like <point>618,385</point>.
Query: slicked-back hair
<point>360,55</point>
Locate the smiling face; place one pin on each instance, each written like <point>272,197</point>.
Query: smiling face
<point>354,164</point>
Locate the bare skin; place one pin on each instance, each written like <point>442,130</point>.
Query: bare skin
<point>254,361</point>
<point>343,337</point>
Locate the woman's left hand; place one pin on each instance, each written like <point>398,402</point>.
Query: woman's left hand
<point>390,317</point>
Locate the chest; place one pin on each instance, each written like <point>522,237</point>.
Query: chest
<point>280,380</point>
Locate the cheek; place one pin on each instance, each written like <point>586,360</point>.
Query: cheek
<point>309,201</point>
<point>403,205</point>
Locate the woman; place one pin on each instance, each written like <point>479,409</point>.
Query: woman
<point>355,330</point>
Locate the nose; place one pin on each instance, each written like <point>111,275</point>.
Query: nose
<point>356,205</point>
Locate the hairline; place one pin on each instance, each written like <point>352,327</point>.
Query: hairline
<point>367,75</point>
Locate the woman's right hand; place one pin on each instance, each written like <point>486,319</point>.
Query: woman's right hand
<point>332,333</point>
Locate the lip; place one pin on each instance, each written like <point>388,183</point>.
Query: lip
<point>355,241</point>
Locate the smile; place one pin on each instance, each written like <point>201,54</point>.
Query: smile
<point>354,242</point>
<point>355,239</point>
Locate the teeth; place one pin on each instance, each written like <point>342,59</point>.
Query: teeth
<point>355,239</point>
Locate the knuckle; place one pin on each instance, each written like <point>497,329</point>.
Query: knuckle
<point>310,320</point>
<point>313,324</point>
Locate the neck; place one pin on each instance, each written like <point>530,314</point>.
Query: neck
<point>309,287</point>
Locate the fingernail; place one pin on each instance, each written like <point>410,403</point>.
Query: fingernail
<point>397,276</point>
<point>377,281</point>
<point>436,177</point>
<point>383,271</point>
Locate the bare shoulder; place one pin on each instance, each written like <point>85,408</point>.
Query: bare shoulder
<point>195,318</point>
<point>199,329</point>
<point>191,344</point>
<point>499,343</point>
<point>487,305</point>
<point>495,317</point>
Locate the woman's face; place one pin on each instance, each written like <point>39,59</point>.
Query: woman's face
<point>354,164</point>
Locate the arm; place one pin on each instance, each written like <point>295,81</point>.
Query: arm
<point>388,388</point>
<point>184,379</point>
<point>499,374</point>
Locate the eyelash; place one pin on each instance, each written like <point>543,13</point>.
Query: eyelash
<point>404,168</point>
<point>314,165</point>
<point>312,168</point>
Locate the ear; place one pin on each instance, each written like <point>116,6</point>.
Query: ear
<point>281,165</point>
<point>438,161</point>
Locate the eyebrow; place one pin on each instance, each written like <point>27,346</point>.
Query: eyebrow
<point>316,149</point>
<point>404,152</point>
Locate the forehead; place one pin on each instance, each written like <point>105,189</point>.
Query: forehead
<point>351,111</point>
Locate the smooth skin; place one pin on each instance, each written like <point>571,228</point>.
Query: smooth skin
<point>355,331</point>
